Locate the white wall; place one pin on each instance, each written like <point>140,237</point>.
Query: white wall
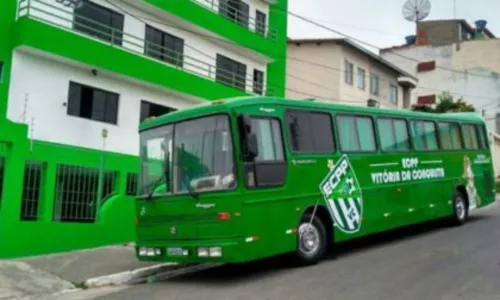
<point>200,53</point>
<point>46,84</point>
<point>317,71</point>
<point>386,77</point>
<point>481,90</point>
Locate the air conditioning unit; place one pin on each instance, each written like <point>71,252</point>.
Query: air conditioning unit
<point>372,103</point>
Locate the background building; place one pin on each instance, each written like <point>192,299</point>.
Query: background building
<point>338,70</point>
<point>453,56</point>
<point>68,75</point>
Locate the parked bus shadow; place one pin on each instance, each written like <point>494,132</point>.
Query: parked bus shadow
<point>258,270</point>
<point>396,236</point>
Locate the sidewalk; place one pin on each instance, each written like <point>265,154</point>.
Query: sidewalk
<point>79,266</point>
<point>43,276</point>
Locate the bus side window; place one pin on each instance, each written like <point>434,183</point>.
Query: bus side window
<point>449,136</point>
<point>470,136</point>
<point>356,134</point>
<point>269,167</point>
<point>483,137</point>
<point>393,134</point>
<point>424,135</point>
<point>310,132</point>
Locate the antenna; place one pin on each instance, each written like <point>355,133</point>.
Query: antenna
<point>416,10</point>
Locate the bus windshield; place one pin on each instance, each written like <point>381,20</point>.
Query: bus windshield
<point>203,159</point>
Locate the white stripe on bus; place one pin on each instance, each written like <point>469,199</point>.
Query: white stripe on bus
<point>345,211</point>
<point>336,213</point>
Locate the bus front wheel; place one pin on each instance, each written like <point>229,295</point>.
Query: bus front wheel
<point>312,240</point>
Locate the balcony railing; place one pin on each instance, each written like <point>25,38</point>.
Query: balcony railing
<point>236,16</point>
<point>63,17</point>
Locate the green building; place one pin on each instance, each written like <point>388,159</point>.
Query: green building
<point>76,79</point>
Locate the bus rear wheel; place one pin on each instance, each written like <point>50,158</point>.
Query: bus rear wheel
<point>460,209</point>
<point>312,240</point>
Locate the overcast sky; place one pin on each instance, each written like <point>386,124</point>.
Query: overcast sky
<point>380,22</point>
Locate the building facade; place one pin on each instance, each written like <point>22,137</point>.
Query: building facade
<point>338,70</point>
<point>77,78</point>
<point>467,66</point>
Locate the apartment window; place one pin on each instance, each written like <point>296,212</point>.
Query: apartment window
<point>424,135</point>
<point>310,132</point>
<point>231,72</point>
<point>99,21</point>
<point>149,110</point>
<point>393,134</point>
<point>33,172</point>
<point>164,46</point>
<point>361,78</point>
<point>92,103</point>
<point>356,134</point>
<point>258,82</point>
<point>236,10</point>
<point>348,72</point>
<point>132,182</point>
<point>426,66</point>
<point>260,22</point>
<point>374,85</point>
<point>393,94</point>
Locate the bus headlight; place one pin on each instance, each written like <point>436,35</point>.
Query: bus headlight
<point>202,252</point>
<point>215,251</point>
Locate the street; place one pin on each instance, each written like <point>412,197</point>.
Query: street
<point>432,261</point>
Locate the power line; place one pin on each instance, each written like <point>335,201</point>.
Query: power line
<point>366,43</point>
<point>142,18</point>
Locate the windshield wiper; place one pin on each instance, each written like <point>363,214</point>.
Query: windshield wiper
<point>153,187</point>
<point>165,176</point>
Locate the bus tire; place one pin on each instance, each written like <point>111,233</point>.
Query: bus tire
<point>460,208</point>
<point>311,240</point>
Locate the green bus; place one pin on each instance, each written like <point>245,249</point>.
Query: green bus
<point>242,179</point>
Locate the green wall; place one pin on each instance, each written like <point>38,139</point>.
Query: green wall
<point>115,224</point>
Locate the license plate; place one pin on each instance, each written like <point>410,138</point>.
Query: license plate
<point>174,251</point>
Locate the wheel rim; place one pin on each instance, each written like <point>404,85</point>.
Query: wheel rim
<point>309,240</point>
<point>460,208</point>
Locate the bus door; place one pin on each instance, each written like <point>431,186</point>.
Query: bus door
<point>265,169</point>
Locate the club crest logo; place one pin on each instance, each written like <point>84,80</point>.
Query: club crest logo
<point>342,193</point>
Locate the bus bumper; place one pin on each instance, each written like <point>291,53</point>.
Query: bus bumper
<point>196,251</point>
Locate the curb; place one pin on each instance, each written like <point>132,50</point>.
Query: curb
<point>127,276</point>
<point>177,272</point>
<point>146,275</point>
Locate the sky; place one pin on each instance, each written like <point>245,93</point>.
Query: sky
<point>380,22</point>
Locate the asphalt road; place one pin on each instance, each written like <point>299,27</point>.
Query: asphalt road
<point>431,261</point>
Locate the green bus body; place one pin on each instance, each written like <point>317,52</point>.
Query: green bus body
<point>358,187</point>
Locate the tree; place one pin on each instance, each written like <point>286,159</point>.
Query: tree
<point>447,104</point>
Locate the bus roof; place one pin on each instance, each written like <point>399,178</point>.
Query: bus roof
<point>225,105</point>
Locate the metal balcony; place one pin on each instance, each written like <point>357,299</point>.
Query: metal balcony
<point>64,18</point>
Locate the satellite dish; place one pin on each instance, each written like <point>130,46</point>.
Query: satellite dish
<point>416,10</point>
